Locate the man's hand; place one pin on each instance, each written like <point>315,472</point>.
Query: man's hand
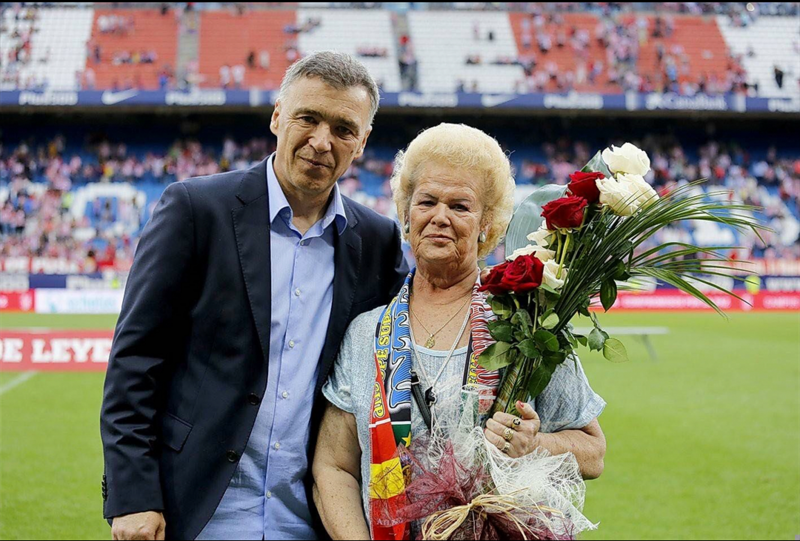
<point>147,525</point>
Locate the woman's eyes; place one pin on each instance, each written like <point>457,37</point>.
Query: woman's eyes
<point>459,208</point>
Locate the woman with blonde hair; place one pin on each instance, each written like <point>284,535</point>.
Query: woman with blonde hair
<point>454,193</point>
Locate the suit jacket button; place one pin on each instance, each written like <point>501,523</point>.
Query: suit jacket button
<point>232,456</point>
<point>254,399</point>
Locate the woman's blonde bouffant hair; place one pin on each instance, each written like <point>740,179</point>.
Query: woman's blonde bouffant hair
<point>460,146</point>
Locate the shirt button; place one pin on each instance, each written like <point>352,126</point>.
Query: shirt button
<point>285,394</point>
<point>296,292</point>
<point>303,243</point>
<point>277,446</point>
<point>291,343</point>
<point>269,494</point>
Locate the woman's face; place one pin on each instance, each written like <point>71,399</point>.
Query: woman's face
<point>445,216</point>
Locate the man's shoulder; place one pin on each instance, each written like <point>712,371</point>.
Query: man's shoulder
<point>225,190</point>
<point>218,184</point>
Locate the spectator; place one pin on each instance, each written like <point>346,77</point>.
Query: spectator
<point>238,72</point>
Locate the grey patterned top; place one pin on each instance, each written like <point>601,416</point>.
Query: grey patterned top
<point>567,403</point>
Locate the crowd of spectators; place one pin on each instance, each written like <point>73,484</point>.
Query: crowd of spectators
<point>38,185</point>
<point>17,33</point>
<point>609,60</point>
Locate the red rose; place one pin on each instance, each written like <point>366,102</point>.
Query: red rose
<point>522,275</point>
<point>493,281</point>
<point>585,185</point>
<point>564,213</point>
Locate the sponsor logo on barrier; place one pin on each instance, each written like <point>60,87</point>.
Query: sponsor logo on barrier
<point>110,97</point>
<point>48,98</point>
<point>677,301</point>
<point>196,97</point>
<point>61,301</point>
<point>573,100</point>
<point>493,100</point>
<point>17,301</point>
<point>82,281</point>
<point>783,106</point>
<point>55,351</point>
<point>672,101</point>
<point>14,282</point>
<point>412,99</point>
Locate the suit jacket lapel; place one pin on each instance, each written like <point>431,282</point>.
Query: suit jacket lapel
<point>347,267</point>
<point>252,229</point>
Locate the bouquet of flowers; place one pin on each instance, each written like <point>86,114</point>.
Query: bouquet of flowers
<point>570,245</point>
<point>567,246</point>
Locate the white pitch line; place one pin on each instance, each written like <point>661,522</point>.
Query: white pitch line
<point>17,381</point>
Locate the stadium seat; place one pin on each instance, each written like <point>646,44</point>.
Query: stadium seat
<point>443,40</point>
<point>349,30</point>
<point>774,42</point>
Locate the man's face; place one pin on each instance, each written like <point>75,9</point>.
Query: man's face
<point>320,131</point>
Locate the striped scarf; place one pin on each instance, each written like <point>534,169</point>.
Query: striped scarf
<point>390,422</point>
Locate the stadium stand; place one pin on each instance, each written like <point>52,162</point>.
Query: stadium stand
<point>227,40</point>
<point>365,34</point>
<point>43,48</point>
<point>461,51</point>
<point>679,47</point>
<point>767,44</point>
<point>89,203</point>
<point>137,48</point>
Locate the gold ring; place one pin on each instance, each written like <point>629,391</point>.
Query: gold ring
<point>506,448</point>
<point>516,422</point>
<point>508,434</point>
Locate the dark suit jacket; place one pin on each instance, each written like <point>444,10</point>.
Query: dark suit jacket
<point>190,357</point>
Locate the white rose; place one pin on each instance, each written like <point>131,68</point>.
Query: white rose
<point>541,237</point>
<point>550,273</point>
<point>627,159</point>
<point>638,185</point>
<point>542,254</point>
<point>620,197</point>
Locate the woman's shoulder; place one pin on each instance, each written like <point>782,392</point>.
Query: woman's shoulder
<point>367,321</point>
<point>361,332</point>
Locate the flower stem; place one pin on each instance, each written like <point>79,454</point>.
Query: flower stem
<point>558,251</point>
<point>564,256</point>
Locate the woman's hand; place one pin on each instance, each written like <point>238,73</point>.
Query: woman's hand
<point>520,433</point>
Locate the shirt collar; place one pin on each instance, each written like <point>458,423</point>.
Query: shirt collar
<point>279,205</point>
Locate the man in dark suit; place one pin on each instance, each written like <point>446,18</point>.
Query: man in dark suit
<point>240,293</point>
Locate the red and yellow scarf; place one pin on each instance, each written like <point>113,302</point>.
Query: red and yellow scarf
<point>390,422</point>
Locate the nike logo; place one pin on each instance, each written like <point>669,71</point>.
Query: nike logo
<point>493,100</point>
<point>112,98</point>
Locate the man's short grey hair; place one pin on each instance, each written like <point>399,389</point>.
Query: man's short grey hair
<point>339,70</point>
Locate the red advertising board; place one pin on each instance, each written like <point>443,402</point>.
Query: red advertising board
<point>667,300</point>
<point>55,351</point>
<point>17,301</point>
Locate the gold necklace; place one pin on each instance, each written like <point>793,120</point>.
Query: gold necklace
<point>431,342</point>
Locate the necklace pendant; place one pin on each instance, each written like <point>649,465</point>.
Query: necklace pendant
<point>430,343</point>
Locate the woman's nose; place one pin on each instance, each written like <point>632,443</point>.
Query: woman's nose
<point>441,215</point>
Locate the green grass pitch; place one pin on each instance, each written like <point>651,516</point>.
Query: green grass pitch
<point>704,443</point>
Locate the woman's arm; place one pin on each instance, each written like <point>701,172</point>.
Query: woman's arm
<point>587,444</point>
<point>337,476</point>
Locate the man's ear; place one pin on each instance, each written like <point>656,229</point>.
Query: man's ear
<point>363,144</point>
<point>273,122</point>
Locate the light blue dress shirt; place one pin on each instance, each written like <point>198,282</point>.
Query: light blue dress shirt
<point>266,497</point>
